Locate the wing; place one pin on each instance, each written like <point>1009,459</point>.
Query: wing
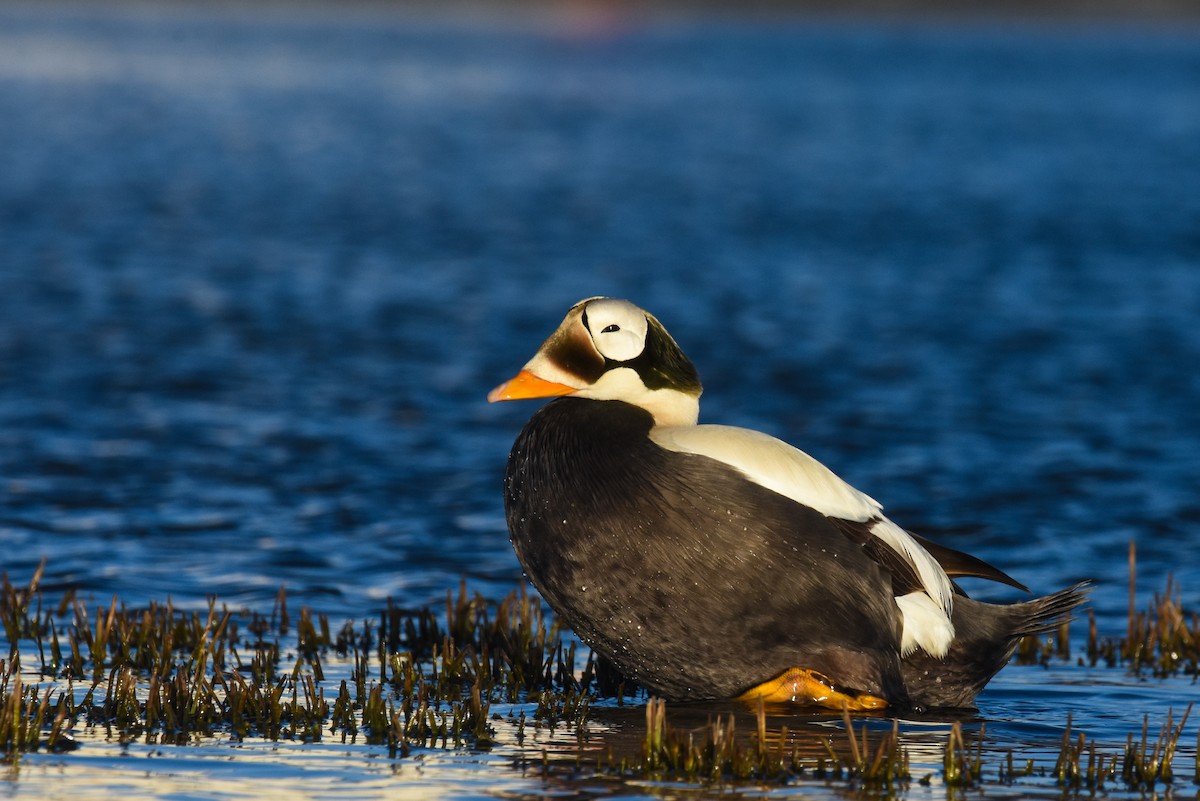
<point>774,464</point>
<point>962,565</point>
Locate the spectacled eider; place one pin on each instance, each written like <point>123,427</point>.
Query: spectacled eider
<point>713,562</point>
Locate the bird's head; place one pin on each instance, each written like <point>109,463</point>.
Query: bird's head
<point>609,349</point>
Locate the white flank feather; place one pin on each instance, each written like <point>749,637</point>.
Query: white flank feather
<point>933,578</point>
<point>925,625</point>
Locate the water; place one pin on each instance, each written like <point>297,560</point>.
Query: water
<point>258,271</point>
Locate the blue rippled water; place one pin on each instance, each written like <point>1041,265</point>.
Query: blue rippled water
<point>258,271</point>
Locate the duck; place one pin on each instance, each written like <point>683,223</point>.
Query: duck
<point>711,562</point>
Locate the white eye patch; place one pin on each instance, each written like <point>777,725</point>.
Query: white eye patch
<point>617,327</point>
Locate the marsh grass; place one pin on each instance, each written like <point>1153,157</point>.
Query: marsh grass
<point>712,752</point>
<point>885,766</point>
<point>429,678</point>
<point>962,763</point>
<point>716,753</point>
<point>1163,640</point>
<point>720,752</point>
<point>1141,766</point>
<point>171,676</point>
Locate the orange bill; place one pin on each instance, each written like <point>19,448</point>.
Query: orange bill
<point>527,385</point>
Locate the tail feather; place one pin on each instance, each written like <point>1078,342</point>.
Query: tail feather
<point>985,637</point>
<point>1045,614</point>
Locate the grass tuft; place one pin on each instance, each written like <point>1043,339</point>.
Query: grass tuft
<point>962,765</point>
<point>429,678</point>
<point>165,675</point>
<point>1163,640</point>
<point>712,752</point>
<point>718,752</point>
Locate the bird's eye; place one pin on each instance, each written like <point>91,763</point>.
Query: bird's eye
<point>608,329</point>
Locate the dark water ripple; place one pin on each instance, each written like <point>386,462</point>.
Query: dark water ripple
<point>258,272</point>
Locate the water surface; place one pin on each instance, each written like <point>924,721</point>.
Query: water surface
<point>258,271</point>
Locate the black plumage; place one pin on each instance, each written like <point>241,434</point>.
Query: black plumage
<point>670,564</point>
<point>695,577</point>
